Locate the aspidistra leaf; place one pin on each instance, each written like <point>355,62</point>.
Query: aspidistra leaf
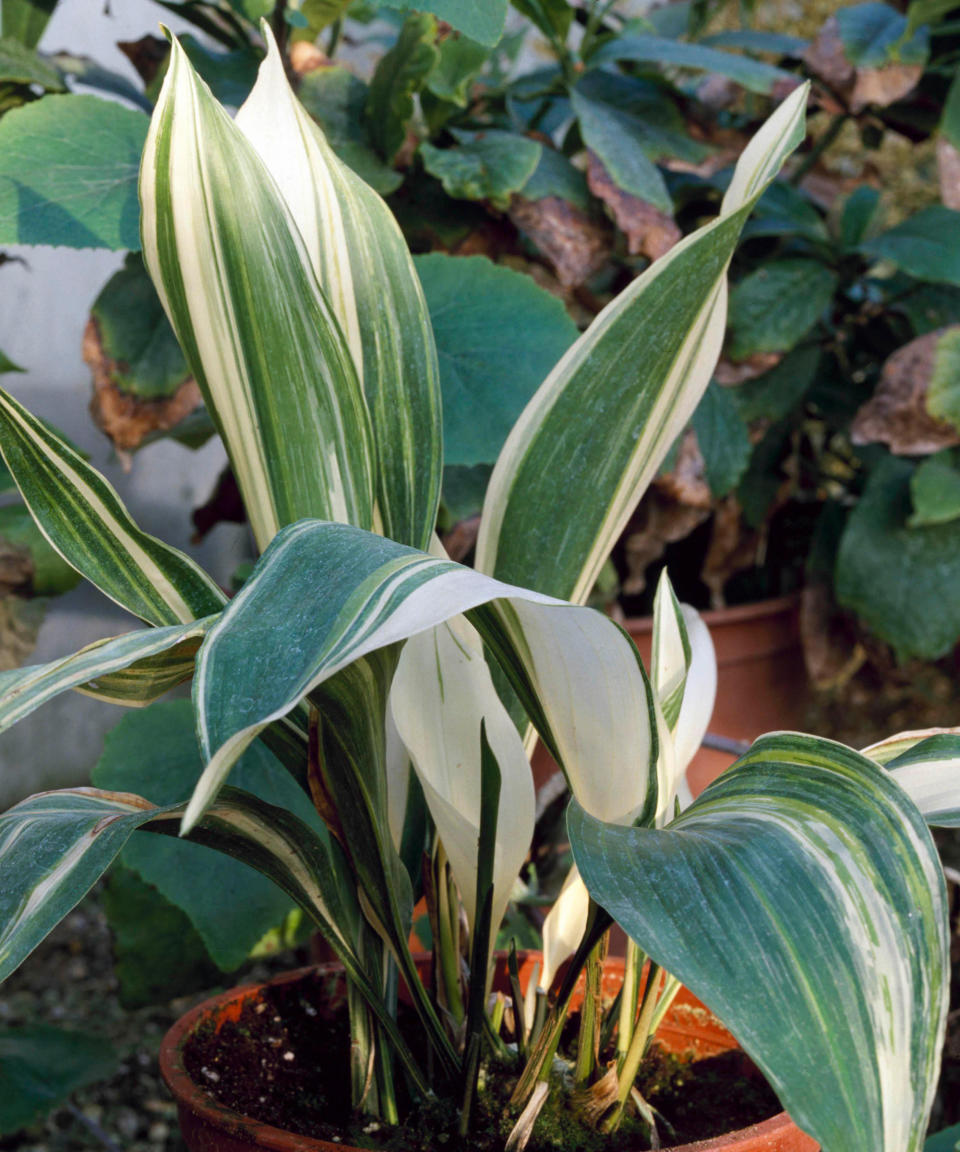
<point>634,378</point>
<point>817,884</point>
<point>265,347</point>
<point>926,765</point>
<point>366,273</point>
<point>82,516</point>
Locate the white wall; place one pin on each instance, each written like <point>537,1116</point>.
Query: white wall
<point>43,310</point>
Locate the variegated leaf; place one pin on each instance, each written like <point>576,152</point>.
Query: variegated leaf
<point>132,669</point>
<point>238,285</point>
<point>441,695</point>
<point>85,521</point>
<point>339,593</point>
<point>361,260</point>
<point>801,898</point>
<point>926,765</point>
<point>564,925</point>
<point>595,433</point>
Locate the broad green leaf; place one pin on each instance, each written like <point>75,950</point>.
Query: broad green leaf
<point>927,306</point>
<point>481,21</point>
<point>459,63</point>
<point>348,594</point>
<point>498,334</point>
<point>723,439</point>
<point>136,336</point>
<point>926,765</point>
<point>336,99</point>
<point>50,575</point>
<point>773,308</point>
<point>262,342</point>
<point>41,1066</point>
<point>399,75</point>
<point>785,211</point>
<point>84,520</point>
<point>634,379</point>
<point>755,40</point>
<point>818,886</point>
<point>552,17</point>
<point>900,580</point>
<point>935,490</point>
<point>25,20</point>
<point>943,391</point>
<point>131,669</point>
<point>22,65</point>
<point>68,173</point>
<point>555,175</point>
<point>874,34</point>
<point>363,266</point>
<point>927,245</point>
<point>490,165</point>
<point>859,213</point>
<point>442,694</point>
<point>644,49</point>
<point>949,1139</point>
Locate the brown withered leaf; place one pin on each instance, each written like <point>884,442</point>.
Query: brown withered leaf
<point>883,86</point>
<point>896,414</point>
<point>658,521</point>
<point>831,650</point>
<point>726,372</point>
<point>576,244</point>
<point>20,621</point>
<point>649,231</point>
<point>733,547</point>
<point>461,539</point>
<point>827,60</point>
<point>948,167</point>
<point>306,57</point>
<point>125,418</point>
<point>686,482</point>
<point>16,567</point>
<point>146,55</point>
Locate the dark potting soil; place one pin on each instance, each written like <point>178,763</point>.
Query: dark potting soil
<point>285,1062</point>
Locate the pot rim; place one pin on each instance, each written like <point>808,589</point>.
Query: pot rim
<point>190,1095</point>
<point>755,610</point>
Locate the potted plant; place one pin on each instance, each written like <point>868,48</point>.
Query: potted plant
<point>800,896</point>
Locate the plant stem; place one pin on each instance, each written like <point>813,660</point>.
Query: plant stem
<point>638,1046</point>
<point>591,1016</point>
<point>830,133</point>
<point>632,963</point>
<point>333,42</point>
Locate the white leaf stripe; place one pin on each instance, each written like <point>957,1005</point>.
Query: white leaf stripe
<point>926,765</point>
<point>634,378</point>
<point>131,669</point>
<point>238,286</point>
<point>363,266</point>
<point>85,521</point>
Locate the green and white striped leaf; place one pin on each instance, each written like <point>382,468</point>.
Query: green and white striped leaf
<point>595,433</point>
<point>324,595</point>
<point>564,925</point>
<point>236,281</point>
<point>84,519</point>
<point>442,694</point>
<point>361,260</point>
<point>132,669</point>
<point>926,765</point>
<point>801,898</point>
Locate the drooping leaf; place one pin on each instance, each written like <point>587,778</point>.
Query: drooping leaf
<point>927,245</point>
<point>483,21</point>
<point>399,75</point>
<point>257,332</point>
<point>365,271</point>
<point>84,520</point>
<point>498,335</point>
<point>25,20</point>
<point>490,165</point>
<point>818,885</point>
<point>773,308</point>
<point>68,173</point>
<point>633,379</point>
<point>22,65</point>
<point>935,490</point>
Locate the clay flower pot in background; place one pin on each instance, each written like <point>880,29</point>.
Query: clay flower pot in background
<point>209,1126</point>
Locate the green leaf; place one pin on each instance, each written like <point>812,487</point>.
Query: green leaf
<point>40,1067</point>
<point>900,580</point>
<point>943,391</point>
<point>723,439</point>
<point>25,20</point>
<point>481,21</point>
<point>785,211</point>
<point>552,17</point>
<point>875,34</point>
<point>498,335</point>
<point>927,245</point>
<point>929,772</point>
<point>777,393</point>
<point>950,121</point>
<point>633,379</point>
<point>399,75</point>
<point>84,520</point>
<point>230,75</point>
<point>22,65</point>
<point>773,308</point>
<point>155,754</point>
<point>464,490</point>
<point>555,175</point>
<point>489,165</point>
<point>755,40</point>
<point>51,575</point>
<point>364,268</point>
<point>859,212</point>
<point>753,75</point>
<point>68,173</point>
<point>136,336</point>
<point>90,74</point>
<point>337,100</point>
<point>804,859</point>
<point>459,63</point>
<point>7,365</point>
<point>241,293</point>
<point>949,1139</point>
<point>935,490</point>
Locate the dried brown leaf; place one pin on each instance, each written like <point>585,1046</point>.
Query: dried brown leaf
<point>20,622</point>
<point>659,521</point>
<point>575,243</point>
<point>649,231</point>
<point>948,167</point>
<point>306,57</point>
<point>16,567</point>
<point>831,650</point>
<point>686,482</point>
<point>896,414</point>
<point>883,86</point>
<point>727,372</point>
<point>733,547</point>
<point>827,60</point>
<point>461,539</point>
<point>127,419</point>
<point>147,55</point>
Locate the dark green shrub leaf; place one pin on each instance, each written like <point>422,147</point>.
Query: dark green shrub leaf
<point>772,309</point>
<point>21,65</point>
<point>458,64</point>
<point>859,210</point>
<point>483,21</point>
<point>949,1139</point>
<point>935,489</point>
<point>552,17</point>
<point>874,34</point>
<point>400,74</point>
<point>776,393</point>
<point>926,245</point>
<point>722,438</point>
<point>483,165</point>
<point>230,75</point>
<point>25,20</point>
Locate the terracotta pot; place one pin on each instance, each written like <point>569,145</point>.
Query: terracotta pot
<point>208,1126</point>
<point>761,686</point>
